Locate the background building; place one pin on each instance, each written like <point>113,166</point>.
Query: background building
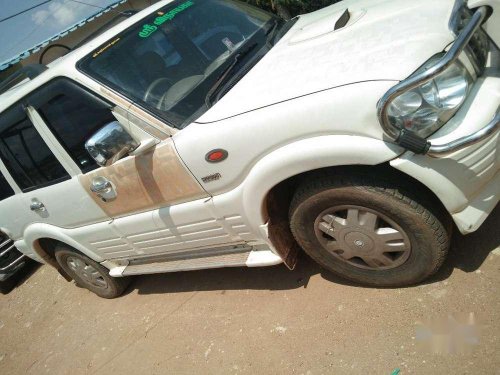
<point>39,31</point>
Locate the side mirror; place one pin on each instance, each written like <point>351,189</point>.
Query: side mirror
<point>109,144</point>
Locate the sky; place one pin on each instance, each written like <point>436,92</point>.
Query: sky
<point>24,31</point>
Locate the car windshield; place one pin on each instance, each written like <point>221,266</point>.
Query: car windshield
<point>171,60</point>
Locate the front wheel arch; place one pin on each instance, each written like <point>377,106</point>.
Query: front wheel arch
<point>277,202</point>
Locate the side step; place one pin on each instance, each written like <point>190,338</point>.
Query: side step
<point>238,257</point>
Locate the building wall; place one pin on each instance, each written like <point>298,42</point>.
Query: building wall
<point>81,33</point>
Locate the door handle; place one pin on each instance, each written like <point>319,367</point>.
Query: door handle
<point>36,205</point>
<point>103,188</point>
<point>100,185</point>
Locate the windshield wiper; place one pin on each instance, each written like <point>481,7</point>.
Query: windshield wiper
<point>273,31</point>
<point>226,72</point>
<point>272,28</point>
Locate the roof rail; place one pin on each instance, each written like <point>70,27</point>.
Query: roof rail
<point>28,71</point>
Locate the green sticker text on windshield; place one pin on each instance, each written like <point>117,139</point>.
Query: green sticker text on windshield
<point>148,29</point>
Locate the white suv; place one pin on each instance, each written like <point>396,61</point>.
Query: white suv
<point>202,134</point>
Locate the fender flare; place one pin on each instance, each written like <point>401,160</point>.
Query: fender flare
<point>36,231</point>
<point>306,155</point>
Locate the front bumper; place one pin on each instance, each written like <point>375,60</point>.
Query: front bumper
<point>465,179</point>
<point>441,150</point>
<point>460,162</point>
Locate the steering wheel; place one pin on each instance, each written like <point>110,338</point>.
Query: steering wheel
<point>151,96</point>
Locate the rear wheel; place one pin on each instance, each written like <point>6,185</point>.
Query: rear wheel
<point>89,274</point>
<point>371,232</point>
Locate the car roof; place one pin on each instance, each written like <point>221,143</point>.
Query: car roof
<point>65,65</point>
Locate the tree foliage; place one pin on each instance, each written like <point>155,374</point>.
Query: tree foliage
<point>293,7</point>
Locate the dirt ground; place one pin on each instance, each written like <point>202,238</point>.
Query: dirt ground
<point>262,321</point>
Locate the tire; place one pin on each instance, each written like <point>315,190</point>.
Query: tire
<point>98,281</point>
<point>324,222</point>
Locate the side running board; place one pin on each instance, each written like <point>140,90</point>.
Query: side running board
<point>236,256</point>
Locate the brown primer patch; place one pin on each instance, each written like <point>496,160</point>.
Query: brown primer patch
<point>145,182</point>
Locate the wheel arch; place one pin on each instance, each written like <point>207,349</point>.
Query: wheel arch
<point>308,155</point>
<point>287,163</point>
<point>44,247</point>
<point>43,238</point>
<point>276,204</point>
<point>287,186</point>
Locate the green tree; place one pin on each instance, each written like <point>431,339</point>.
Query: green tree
<point>291,7</point>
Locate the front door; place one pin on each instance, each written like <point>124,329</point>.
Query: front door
<point>155,205</point>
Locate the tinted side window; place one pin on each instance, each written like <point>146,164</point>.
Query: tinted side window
<point>25,154</point>
<point>5,189</point>
<point>74,117</point>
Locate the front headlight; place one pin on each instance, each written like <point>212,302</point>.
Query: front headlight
<point>426,108</point>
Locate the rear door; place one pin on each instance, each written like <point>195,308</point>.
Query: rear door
<point>9,204</point>
<point>10,258</point>
<point>49,188</point>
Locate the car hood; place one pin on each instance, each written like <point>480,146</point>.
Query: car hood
<point>383,40</point>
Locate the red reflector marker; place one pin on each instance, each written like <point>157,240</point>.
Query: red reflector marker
<point>216,155</point>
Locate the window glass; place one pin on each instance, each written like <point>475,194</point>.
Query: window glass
<point>170,60</point>
<point>25,154</point>
<point>5,189</point>
<point>74,118</point>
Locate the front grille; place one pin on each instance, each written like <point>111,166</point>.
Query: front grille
<point>479,45</point>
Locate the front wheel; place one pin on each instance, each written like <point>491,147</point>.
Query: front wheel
<point>370,232</point>
<point>89,274</point>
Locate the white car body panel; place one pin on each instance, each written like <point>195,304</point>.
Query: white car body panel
<point>293,159</point>
<point>460,178</point>
<point>180,227</point>
<point>67,205</point>
<point>480,206</point>
<point>308,104</point>
<point>339,111</point>
<point>356,53</point>
<point>261,258</point>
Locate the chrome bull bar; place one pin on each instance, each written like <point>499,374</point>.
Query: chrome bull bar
<point>420,145</point>
<point>437,151</point>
